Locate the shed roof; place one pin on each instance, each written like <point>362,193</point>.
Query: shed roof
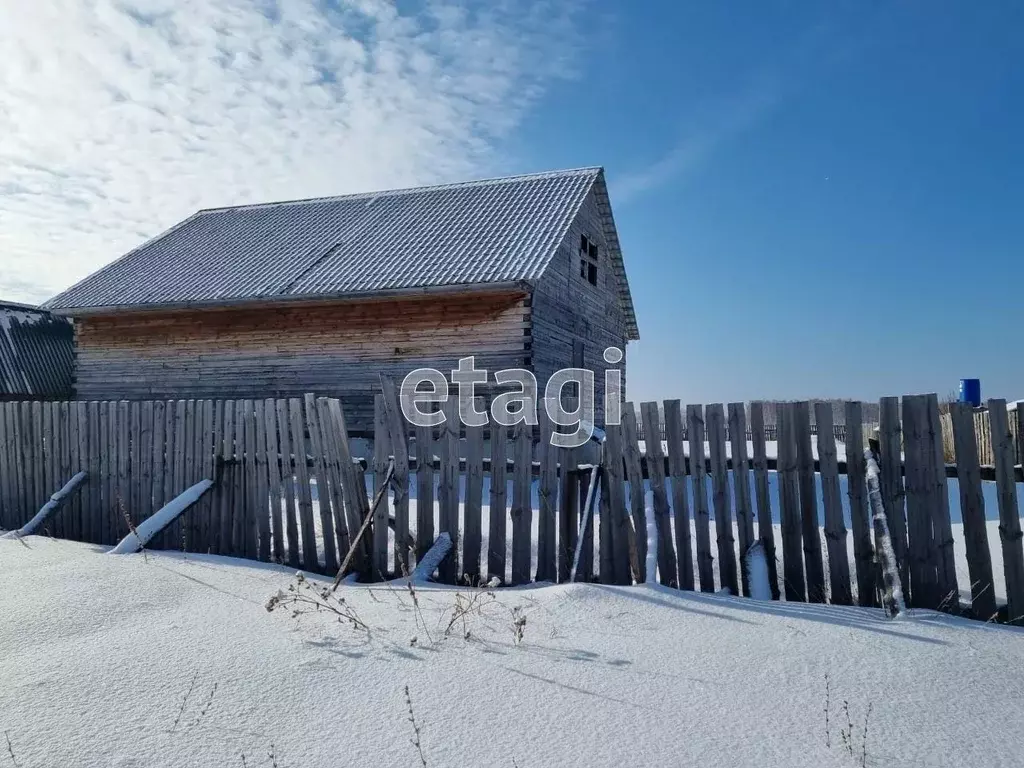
<point>36,353</point>
<point>475,233</point>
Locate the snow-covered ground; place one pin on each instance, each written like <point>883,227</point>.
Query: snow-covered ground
<point>162,660</point>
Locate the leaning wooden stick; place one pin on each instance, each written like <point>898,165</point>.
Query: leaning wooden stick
<point>366,524</point>
<point>588,513</point>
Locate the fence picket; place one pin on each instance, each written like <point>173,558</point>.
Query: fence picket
<point>811,527</point>
<point>942,536</point>
<point>304,493</point>
<point>714,416</point>
<point>919,499</point>
<point>835,528</point>
<point>741,487</point>
<point>568,515</point>
<point>275,480</point>
<point>616,560</point>
<point>285,446</point>
<point>659,495</point>
<point>547,490</point>
<point>122,499</point>
<point>448,489</point>
<point>680,502</point>
<point>357,506</point>
<point>789,506</point>
<point>335,472</point>
<point>701,513</point>
<point>323,488</point>
<point>522,506</point>
<point>425,490</point>
<point>585,569</point>
<point>45,444</point>
<point>473,509</point>
<point>635,478</point>
<point>381,451</point>
<point>398,428</point>
<point>6,475</point>
<point>972,511</point>
<point>498,522</point>
<point>765,528</point>
<point>890,447</point>
<point>863,552</point>
<point>1009,514</point>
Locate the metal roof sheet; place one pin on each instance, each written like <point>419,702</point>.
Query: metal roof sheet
<point>472,233</point>
<point>36,353</point>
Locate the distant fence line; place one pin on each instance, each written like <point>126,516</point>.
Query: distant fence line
<point>275,462</point>
<point>771,432</point>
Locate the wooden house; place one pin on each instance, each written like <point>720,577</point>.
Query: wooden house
<point>36,354</point>
<point>322,295</point>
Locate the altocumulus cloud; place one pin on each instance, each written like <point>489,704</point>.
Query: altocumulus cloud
<point>118,119</point>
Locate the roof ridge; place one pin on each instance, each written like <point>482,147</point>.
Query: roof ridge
<point>594,169</point>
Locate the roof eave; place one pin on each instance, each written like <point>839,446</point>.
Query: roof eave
<point>514,286</point>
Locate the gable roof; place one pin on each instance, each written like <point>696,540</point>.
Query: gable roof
<point>475,233</point>
<point>36,353</point>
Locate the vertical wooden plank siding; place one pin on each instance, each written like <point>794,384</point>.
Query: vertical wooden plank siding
<point>168,447</point>
<point>6,475</point>
<point>1009,514</point>
<point>714,415</point>
<point>448,489</point>
<point>135,463</point>
<point>399,429</point>
<point>863,552</point>
<point>182,449</point>
<point>668,575</point>
<point>972,511</point>
<point>680,500</point>
<point>618,557</point>
<point>323,487</point>
<point>942,528</point>
<point>261,505</point>
<point>425,490</point>
<point>298,440</point>
<point>274,479</point>
<point>789,505</point>
<point>472,537</point>
<point>156,459</point>
<point>23,457</point>
<point>107,421</point>
<point>890,448</point>
<point>568,514</point>
<point>335,471</point>
<point>919,497</point>
<point>635,478</point>
<point>701,513</point>
<point>547,496</point>
<point>123,497</point>
<point>381,452</point>
<point>741,486</point>
<point>835,527</point>
<point>291,525</point>
<point>811,528</point>
<point>254,505</point>
<point>522,505</point>
<point>239,513</point>
<point>63,411</point>
<point>226,474</point>
<point>38,462</point>
<point>75,465</point>
<point>498,523</point>
<point>45,443</point>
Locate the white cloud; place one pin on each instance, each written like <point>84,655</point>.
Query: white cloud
<point>119,119</point>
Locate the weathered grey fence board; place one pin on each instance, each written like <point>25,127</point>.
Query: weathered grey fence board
<point>841,591</point>
<point>811,526</point>
<point>613,490</point>
<point>741,487</point>
<point>972,511</point>
<point>547,494</point>
<point>667,572</point>
<point>863,552</point>
<point>448,488</point>
<point>890,447</point>
<point>399,433</point>
<point>381,451</point>
<point>680,500</point>
<point>701,513</point>
<point>226,421</point>
<point>568,517</point>
<point>323,487</point>
<point>635,478</point>
<point>275,479</point>
<point>942,528</point>
<point>357,506</point>
<point>45,453</point>
<point>472,537</point>
<point>424,490</point>
<point>714,415</point>
<point>919,489</point>
<point>789,507</point>
<point>39,491</point>
<point>305,498</point>
<point>522,504</point>
<point>1009,515</point>
<point>497,533</point>
<point>335,478</point>
<point>261,503</point>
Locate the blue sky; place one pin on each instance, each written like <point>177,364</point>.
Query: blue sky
<point>814,199</point>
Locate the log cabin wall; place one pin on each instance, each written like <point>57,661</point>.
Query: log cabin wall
<point>333,349</point>
<point>568,311</point>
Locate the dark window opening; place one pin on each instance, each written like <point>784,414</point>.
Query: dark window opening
<point>588,259</point>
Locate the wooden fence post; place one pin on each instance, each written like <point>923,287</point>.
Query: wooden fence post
<point>398,429</point>
<point>568,515</point>
<point>424,490</point>
<point>305,497</point>
<point>635,478</point>
<point>972,511</point>
<point>811,528</point>
<point>741,485</point>
<point>381,451</point>
<point>547,499</point>
<point>863,552</point>
<point>680,502</point>
<point>498,523</point>
<point>789,504</point>
<point>890,446</point>
<point>714,415</point>
<point>765,528</point>
<point>1009,515</point>
<point>835,528</point>
<point>659,494</point>
<point>919,485</point>
<point>701,514</point>
<point>613,499</point>
<point>522,504</point>
<point>472,536</point>
<point>448,489</point>
<point>942,528</point>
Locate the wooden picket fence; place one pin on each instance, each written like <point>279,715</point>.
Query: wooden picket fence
<point>275,462</point>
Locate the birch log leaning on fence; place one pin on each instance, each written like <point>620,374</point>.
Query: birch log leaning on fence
<point>49,509</point>
<point>137,539</point>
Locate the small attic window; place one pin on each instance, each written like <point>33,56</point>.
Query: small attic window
<point>588,259</point>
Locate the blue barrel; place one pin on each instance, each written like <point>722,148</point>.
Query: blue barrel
<point>970,391</point>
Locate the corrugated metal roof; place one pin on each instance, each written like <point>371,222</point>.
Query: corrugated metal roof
<point>492,231</point>
<point>36,353</point>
